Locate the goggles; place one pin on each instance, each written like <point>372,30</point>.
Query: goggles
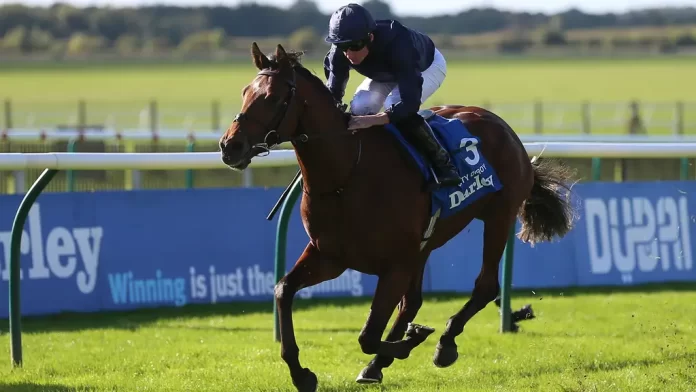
<point>352,45</point>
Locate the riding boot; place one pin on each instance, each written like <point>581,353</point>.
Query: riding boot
<point>420,132</point>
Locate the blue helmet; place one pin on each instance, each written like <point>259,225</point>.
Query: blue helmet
<point>351,22</point>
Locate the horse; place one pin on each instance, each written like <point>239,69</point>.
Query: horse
<point>366,205</point>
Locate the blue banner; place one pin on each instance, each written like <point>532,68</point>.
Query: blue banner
<point>88,252</point>
<point>636,233</point>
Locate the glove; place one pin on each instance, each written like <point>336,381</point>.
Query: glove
<point>341,106</point>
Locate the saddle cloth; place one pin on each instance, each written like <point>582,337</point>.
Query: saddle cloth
<point>478,177</point>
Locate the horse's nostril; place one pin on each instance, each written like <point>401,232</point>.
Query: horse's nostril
<point>235,146</point>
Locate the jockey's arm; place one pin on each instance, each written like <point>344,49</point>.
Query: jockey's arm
<point>337,72</point>
<point>410,83</point>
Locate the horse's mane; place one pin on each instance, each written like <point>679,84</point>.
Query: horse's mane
<point>294,59</point>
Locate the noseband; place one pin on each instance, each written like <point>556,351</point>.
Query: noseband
<point>272,138</point>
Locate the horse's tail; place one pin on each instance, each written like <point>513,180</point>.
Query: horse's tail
<point>548,211</point>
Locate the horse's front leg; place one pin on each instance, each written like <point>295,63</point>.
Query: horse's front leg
<point>390,288</point>
<point>408,309</point>
<point>309,270</point>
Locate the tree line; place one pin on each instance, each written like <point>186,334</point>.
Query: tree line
<point>63,28</point>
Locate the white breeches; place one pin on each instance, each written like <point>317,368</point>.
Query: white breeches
<point>370,96</point>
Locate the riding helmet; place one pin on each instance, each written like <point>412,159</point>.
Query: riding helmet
<point>351,22</point>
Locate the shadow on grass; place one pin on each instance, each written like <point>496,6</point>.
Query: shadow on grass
<point>648,288</point>
<point>592,366</point>
<point>31,387</point>
<point>254,329</point>
<point>134,319</point>
<point>355,387</point>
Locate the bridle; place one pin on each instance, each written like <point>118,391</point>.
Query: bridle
<point>278,117</point>
<point>272,137</point>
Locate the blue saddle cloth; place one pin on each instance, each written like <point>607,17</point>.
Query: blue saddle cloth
<point>478,177</point>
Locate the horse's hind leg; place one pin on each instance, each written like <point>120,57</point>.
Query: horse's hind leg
<point>486,287</point>
<point>309,270</point>
<point>525,313</point>
<point>390,288</point>
<point>408,308</point>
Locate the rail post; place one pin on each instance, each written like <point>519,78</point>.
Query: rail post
<point>505,308</point>
<point>15,244</point>
<point>281,244</point>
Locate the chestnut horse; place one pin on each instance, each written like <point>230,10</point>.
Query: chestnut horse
<point>364,207</point>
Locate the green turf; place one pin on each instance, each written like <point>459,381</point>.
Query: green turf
<point>118,94</point>
<point>640,339</point>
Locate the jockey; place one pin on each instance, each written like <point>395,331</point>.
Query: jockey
<point>402,69</point>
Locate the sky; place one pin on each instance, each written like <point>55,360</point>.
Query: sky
<point>412,7</point>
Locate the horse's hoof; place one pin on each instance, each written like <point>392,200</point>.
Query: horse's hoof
<point>445,355</point>
<point>418,333</point>
<point>370,375</point>
<point>528,312</point>
<point>525,313</point>
<point>308,383</point>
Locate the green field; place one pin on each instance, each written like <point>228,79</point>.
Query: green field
<point>639,339</point>
<point>117,94</point>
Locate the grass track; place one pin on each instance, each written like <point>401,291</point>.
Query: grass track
<point>119,92</point>
<point>637,339</point>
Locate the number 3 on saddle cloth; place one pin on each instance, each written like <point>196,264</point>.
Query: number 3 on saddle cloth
<point>478,177</point>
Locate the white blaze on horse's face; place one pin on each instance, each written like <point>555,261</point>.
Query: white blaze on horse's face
<point>256,87</point>
<point>251,93</point>
<point>240,137</point>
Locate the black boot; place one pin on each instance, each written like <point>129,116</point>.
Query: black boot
<point>422,136</point>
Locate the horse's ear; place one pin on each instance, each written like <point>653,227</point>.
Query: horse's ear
<point>260,59</point>
<point>280,53</point>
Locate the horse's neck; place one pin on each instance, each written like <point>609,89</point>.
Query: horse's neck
<point>329,155</point>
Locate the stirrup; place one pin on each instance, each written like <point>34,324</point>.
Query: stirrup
<point>449,181</point>
<point>436,183</point>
